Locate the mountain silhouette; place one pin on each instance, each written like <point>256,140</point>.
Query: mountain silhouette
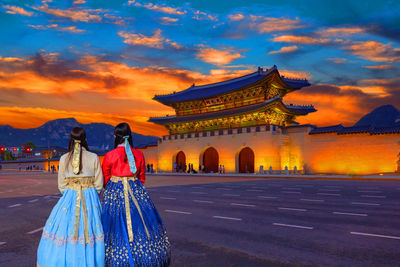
<point>100,136</point>
<point>382,116</point>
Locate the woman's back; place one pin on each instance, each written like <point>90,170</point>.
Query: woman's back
<point>115,163</point>
<point>90,168</point>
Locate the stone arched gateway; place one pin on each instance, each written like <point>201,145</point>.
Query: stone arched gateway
<point>246,160</point>
<point>209,158</point>
<point>180,161</point>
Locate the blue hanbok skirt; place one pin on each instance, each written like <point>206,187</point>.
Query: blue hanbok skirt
<point>148,248</point>
<point>58,247</point>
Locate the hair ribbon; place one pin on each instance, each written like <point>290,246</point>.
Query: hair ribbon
<point>76,156</point>
<point>129,155</point>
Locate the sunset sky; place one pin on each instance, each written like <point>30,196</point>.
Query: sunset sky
<point>103,61</point>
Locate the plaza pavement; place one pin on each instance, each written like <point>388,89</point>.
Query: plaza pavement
<point>235,220</point>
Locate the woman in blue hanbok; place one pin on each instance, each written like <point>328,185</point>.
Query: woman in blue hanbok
<point>73,234</point>
<point>134,232</point>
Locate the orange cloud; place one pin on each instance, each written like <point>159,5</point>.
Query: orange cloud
<point>285,49</point>
<point>155,41</point>
<point>299,39</point>
<point>168,20</point>
<point>380,67</point>
<point>235,17</point>
<point>217,57</point>
<point>199,15</point>
<point>332,108</point>
<point>79,2</point>
<point>295,74</point>
<point>345,104</point>
<point>374,51</point>
<point>84,15</point>
<point>340,31</point>
<point>56,27</point>
<point>17,10</point>
<point>158,8</point>
<point>376,90</point>
<point>270,24</point>
<point>44,87</point>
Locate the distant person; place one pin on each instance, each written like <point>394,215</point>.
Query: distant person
<point>220,169</point>
<point>223,169</point>
<point>174,167</point>
<point>148,167</point>
<point>151,168</point>
<point>184,170</point>
<point>73,234</point>
<point>134,232</point>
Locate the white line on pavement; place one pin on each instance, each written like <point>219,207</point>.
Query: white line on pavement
<point>197,187</point>
<point>291,188</point>
<point>333,186</point>
<point>289,192</point>
<point>204,193</point>
<point>294,226</point>
<point>177,211</point>
<point>375,235</point>
<point>329,190</point>
<point>373,196</point>
<point>15,205</point>
<point>202,201</point>
<point>254,190</point>
<point>172,198</point>
<point>227,218</point>
<point>368,188</point>
<point>35,231</point>
<point>243,205</point>
<point>173,191</point>
<point>267,197</point>
<point>2,243</point>
<point>363,203</point>
<point>33,200</point>
<point>312,200</point>
<point>291,209</point>
<point>231,195</point>
<point>369,191</point>
<point>349,213</point>
<point>328,194</point>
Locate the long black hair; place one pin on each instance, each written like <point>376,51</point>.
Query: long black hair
<point>77,133</point>
<point>120,131</point>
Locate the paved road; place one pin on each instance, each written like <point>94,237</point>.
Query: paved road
<point>266,222</point>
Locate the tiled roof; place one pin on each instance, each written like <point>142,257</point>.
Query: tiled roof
<point>227,112</point>
<point>209,90</point>
<point>210,115</point>
<point>301,110</point>
<point>328,129</point>
<point>339,129</point>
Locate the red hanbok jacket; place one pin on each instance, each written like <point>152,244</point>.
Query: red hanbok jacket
<point>114,164</point>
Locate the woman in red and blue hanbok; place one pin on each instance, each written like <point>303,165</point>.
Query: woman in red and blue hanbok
<point>133,229</point>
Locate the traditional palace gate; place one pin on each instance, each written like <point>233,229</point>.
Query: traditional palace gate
<point>211,160</point>
<point>246,160</point>
<point>180,160</point>
<point>253,100</point>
